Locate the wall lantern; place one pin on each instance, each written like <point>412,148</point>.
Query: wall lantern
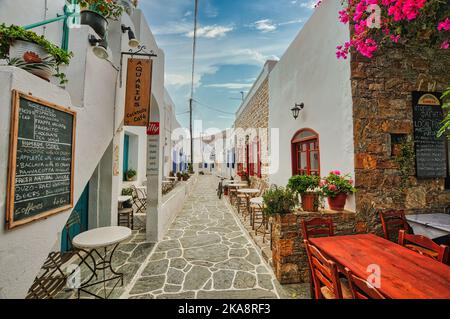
<point>296,109</point>
<point>100,47</point>
<point>132,41</point>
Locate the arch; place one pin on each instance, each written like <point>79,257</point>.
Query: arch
<point>305,152</point>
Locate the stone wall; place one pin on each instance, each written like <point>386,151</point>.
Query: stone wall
<point>256,115</point>
<point>382,105</point>
<point>289,258</point>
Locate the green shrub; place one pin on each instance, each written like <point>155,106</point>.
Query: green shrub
<point>279,200</point>
<point>127,191</point>
<point>303,183</point>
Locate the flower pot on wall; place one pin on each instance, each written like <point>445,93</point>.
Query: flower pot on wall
<point>338,202</point>
<point>95,21</point>
<point>310,202</point>
<point>32,58</point>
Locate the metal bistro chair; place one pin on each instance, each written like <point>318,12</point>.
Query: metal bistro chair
<point>47,284</point>
<point>139,199</point>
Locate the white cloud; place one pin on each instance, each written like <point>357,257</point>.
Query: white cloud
<point>211,31</point>
<point>265,25</point>
<point>308,4</point>
<point>231,86</point>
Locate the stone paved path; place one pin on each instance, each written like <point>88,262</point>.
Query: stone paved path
<point>206,254</point>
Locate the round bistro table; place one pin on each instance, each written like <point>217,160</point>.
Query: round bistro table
<point>96,242</point>
<point>249,193</point>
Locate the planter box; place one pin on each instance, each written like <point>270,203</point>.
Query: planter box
<point>28,52</point>
<point>289,259</point>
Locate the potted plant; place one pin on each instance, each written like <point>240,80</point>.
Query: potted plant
<point>131,175</point>
<point>171,174</point>
<point>179,176</point>
<point>307,186</point>
<point>279,200</point>
<point>190,169</point>
<point>33,53</point>
<point>96,12</point>
<point>185,176</point>
<point>337,187</point>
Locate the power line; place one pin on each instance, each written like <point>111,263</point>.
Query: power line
<point>212,108</point>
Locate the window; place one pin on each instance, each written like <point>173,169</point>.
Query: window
<point>305,153</point>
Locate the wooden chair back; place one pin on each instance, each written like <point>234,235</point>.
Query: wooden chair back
<point>392,221</point>
<point>424,246</point>
<point>360,288</point>
<point>324,272</point>
<point>317,227</point>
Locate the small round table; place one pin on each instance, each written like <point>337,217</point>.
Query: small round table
<point>99,239</point>
<point>249,193</point>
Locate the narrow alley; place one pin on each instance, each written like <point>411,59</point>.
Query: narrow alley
<point>205,254</point>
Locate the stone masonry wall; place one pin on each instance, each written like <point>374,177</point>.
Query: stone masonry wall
<point>382,105</point>
<point>289,258</point>
<point>256,115</point>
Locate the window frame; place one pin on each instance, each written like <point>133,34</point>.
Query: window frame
<point>298,142</point>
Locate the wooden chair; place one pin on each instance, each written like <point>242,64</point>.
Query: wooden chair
<point>324,272</point>
<point>360,288</point>
<point>126,217</point>
<point>393,221</point>
<point>424,246</point>
<point>317,227</point>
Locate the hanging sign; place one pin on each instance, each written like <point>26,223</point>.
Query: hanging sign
<point>41,160</point>
<point>153,128</point>
<point>138,92</point>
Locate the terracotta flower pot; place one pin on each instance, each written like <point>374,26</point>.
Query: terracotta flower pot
<point>337,203</point>
<point>310,202</point>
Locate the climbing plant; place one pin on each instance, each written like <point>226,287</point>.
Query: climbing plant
<point>378,22</point>
<point>406,161</point>
<point>446,107</point>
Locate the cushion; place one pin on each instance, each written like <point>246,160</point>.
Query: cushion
<point>346,293</point>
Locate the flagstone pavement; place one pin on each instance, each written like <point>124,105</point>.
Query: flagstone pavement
<point>206,254</point>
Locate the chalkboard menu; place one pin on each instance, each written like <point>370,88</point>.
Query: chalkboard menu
<point>431,154</point>
<point>40,174</point>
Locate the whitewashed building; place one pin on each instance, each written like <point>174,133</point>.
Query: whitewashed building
<point>104,147</point>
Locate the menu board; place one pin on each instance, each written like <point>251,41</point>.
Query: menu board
<point>40,173</point>
<point>431,154</point>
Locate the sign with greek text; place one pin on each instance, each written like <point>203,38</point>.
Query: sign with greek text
<point>138,92</point>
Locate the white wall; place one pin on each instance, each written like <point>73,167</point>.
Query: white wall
<point>310,73</point>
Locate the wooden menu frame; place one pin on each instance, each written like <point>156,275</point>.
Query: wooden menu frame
<point>12,161</point>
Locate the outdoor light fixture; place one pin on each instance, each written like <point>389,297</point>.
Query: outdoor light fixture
<point>296,109</point>
<point>100,47</point>
<point>133,42</point>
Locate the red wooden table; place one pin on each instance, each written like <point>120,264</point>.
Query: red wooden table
<point>404,273</point>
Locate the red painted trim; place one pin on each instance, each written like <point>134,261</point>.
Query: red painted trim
<point>298,142</point>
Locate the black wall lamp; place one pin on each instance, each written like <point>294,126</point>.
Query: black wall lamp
<point>100,47</point>
<point>296,109</point>
<point>132,41</point>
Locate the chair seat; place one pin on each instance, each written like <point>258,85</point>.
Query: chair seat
<point>346,293</point>
<point>125,210</point>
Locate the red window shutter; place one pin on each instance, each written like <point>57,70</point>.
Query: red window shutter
<point>251,161</point>
<point>258,147</point>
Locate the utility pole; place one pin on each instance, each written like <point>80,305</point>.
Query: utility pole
<point>194,45</point>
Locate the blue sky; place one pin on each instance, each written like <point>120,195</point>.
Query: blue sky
<point>235,38</point>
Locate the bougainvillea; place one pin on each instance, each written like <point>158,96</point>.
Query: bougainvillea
<point>377,22</point>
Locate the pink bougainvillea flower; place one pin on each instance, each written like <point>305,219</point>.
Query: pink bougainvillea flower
<point>444,25</point>
<point>445,45</point>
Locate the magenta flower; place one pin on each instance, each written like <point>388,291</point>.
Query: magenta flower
<point>445,45</point>
<point>444,25</point>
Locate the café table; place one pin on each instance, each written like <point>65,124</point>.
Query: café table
<point>249,193</point>
<point>124,198</point>
<point>259,202</point>
<point>235,185</point>
<point>404,274</point>
<point>430,225</point>
<point>97,242</point>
